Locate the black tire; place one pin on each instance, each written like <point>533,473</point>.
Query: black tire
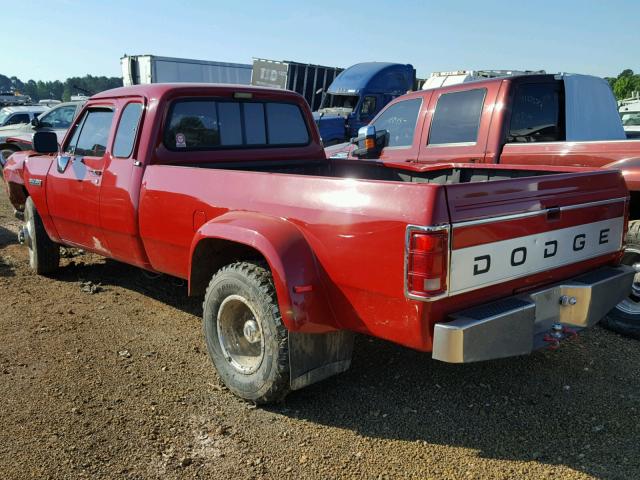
<point>625,318</point>
<point>44,255</point>
<point>7,151</point>
<point>246,293</point>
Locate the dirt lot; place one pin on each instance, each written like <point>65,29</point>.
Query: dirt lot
<point>104,374</point>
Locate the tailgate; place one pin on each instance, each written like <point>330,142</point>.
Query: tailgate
<point>509,229</point>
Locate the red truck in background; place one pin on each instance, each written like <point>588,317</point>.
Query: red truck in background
<point>229,188</point>
<point>534,120</point>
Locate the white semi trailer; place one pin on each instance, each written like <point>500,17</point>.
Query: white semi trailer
<point>142,69</point>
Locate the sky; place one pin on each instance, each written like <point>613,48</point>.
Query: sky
<point>65,38</point>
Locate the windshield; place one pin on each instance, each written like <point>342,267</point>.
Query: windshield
<point>340,101</point>
<point>3,116</point>
<point>59,117</point>
<point>629,119</point>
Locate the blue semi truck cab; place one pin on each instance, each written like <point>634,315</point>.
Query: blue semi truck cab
<point>357,95</point>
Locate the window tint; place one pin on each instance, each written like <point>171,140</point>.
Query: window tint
<point>127,129</point>
<point>59,117</point>
<point>207,124</point>
<point>230,124</point>
<point>18,118</point>
<point>399,120</point>
<point>457,117</point>
<point>368,106</point>
<point>286,125</point>
<point>92,141</point>
<point>536,114</point>
<point>254,123</point>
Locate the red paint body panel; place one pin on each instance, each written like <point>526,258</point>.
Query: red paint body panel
<point>335,246</point>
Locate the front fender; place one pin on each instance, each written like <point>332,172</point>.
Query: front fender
<point>301,296</point>
<point>34,174</point>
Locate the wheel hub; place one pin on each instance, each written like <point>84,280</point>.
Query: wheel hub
<point>23,237</point>
<point>251,331</point>
<point>240,334</point>
<point>631,304</point>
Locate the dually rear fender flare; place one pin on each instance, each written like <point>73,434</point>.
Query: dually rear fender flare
<point>301,296</point>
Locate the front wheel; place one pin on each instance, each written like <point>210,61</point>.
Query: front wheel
<point>625,317</point>
<point>44,254</point>
<point>246,339</point>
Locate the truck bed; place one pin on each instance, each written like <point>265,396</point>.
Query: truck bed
<point>445,174</point>
<point>354,217</point>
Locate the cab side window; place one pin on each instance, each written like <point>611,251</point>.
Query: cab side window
<point>399,120</point>
<point>457,117</point>
<point>536,115</point>
<point>92,133</point>
<point>127,130</point>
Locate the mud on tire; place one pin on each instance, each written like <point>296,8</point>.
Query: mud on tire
<point>246,339</point>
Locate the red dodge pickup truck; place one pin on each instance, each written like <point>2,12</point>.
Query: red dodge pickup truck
<point>229,188</point>
<point>554,120</point>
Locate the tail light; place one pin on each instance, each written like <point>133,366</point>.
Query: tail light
<point>426,263</point>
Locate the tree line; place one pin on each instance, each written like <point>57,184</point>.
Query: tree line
<point>57,90</point>
<point>625,84</point>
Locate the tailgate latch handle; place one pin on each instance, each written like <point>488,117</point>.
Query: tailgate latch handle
<point>553,213</point>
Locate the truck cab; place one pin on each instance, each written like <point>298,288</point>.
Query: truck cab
<point>357,95</point>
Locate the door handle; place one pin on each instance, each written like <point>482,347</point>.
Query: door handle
<point>97,173</point>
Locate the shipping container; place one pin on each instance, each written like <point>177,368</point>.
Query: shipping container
<point>142,69</point>
<point>310,81</point>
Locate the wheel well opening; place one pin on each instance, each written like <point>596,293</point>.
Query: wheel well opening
<point>210,255</point>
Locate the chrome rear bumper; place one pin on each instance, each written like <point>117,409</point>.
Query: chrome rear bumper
<point>517,325</point>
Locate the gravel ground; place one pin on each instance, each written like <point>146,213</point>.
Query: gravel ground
<point>104,374</point>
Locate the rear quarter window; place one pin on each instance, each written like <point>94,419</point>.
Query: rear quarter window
<point>209,124</point>
<point>457,117</point>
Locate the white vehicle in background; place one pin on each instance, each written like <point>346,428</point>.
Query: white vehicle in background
<point>442,79</point>
<point>143,69</point>
<point>49,102</point>
<point>20,115</point>
<point>630,115</point>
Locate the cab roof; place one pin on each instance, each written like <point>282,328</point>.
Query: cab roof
<point>158,90</point>
<point>29,108</point>
<point>372,75</point>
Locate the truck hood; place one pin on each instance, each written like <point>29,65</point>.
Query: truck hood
<point>15,130</point>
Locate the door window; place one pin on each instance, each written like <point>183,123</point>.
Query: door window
<point>127,130</point>
<point>457,117</point>
<point>368,106</point>
<point>399,120</point>
<point>91,136</point>
<point>536,114</point>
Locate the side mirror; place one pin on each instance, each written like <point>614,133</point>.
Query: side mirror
<point>35,123</point>
<point>45,142</point>
<point>370,142</point>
